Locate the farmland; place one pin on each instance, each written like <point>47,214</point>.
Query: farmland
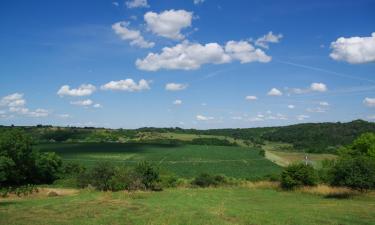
<point>183,160</point>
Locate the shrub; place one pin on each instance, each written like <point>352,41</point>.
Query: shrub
<point>101,175</point>
<point>206,180</point>
<point>148,174</point>
<point>356,173</point>
<point>297,175</point>
<point>262,152</point>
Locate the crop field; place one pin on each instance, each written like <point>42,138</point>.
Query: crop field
<point>183,160</point>
<point>226,205</point>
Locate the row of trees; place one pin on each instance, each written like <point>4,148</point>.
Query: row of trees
<point>355,168</point>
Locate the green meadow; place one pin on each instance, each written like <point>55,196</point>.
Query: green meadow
<point>225,205</point>
<point>183,160</point>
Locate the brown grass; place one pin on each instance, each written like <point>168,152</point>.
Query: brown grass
<point>261,184</point>
<point>43,193</point>
<point>327,190</point>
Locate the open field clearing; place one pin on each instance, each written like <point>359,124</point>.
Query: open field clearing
<point>283,154</point>
<point>183,160</point>
<point>238,205</point>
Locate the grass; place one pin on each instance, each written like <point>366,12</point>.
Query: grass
<point>183,160</point>
<point>283,154</point>
<point>226,205</point>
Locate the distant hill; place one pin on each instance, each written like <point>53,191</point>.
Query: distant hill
<point>310,137</point>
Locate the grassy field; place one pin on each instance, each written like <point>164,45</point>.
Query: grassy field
<point>183,160</point>
<point>226,205</point>
<point>283,154</point>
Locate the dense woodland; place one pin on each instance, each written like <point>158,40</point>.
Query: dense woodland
<point>309,137</point>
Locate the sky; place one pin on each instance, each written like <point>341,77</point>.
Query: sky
<point>192,63</point>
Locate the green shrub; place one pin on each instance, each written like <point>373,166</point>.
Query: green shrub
<point>356,173</point>
<point>148,174</point>
<point>206,180</point>
<point>101,175</point>
<point>262,152</point>
<point>297,175</point>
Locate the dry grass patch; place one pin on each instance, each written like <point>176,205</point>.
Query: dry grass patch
<point>261,184</point>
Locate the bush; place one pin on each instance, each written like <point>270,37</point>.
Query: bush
<point>262,152</point>
<point>297,175</point>
<point>356,173</point>
<point>206,180</point>
<point>149,175</point>
<point>101,176</point>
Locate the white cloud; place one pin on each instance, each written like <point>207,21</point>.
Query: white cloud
<point>196,2</point>
<point>137,4</point>
<point>134,36</point>
<point>87,102</point>
<point>169,23</point>
<point>371,117</point>
<point>274,92</point>
<point>13,100</point>
<point>319,87</point>
<point>175,87</point>
<point>16,104</point>
<point>97,105</point>
<point>370,102</point>
<point>204,118</point>
<point>127,85</point>
<point>190,56</point>
<point>291,106</point>
<point>354,50</point>
<point>251,98</point>
<point>268,38</point>
<point>64,115</point>
<point>177,102</point>
<point>314,87</point>
<point>185,56</point>
<point>302,117</point>
<point>324,103</point>
<point>245,52</point>
<point>116,4</point>
<point>316,110</point>
<point>83,90</point>
<point>38,113</point>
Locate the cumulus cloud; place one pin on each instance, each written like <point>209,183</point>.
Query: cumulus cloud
<point>251,98</point>
<point>291,106</point>
<point>177,102</point>
<point>137,4</point>
<point>302,117</point>
<point>274,92</point>
<point>13,100</point>
<point>245,52</point>
<point>87,102</point>
<point>268,38</point>
<point>190,56</point>
<point>314,87</point>
<point>127,85</point>
<point>354,50</point>
<point>169,23</point>
<point>175,87</point>
<point>370,102</point>
<point>97,105</point>
<point>134,36</point>
<point>204,118</point>
<point>16,104</point>
<point>83,90</point>
<point>196,2</point>
<point>324,103</point>
<point>319,87</point>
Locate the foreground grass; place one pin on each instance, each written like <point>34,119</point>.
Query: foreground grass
<point>235,205</point>
<point>183,160</point>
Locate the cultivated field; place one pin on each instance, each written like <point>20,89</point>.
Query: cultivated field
<point>226,205</point>
<point>183,160</point>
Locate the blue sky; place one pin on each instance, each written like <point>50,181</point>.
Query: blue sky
<point>191,63</point>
